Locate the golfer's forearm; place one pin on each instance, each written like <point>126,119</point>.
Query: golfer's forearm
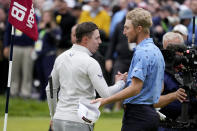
<point>130,91</point>
<point>124,94</point>
<point>165,100</point>
<point>116,87</point>
<point>102,88</point>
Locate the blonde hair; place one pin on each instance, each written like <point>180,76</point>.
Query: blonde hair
<point>140,17</point>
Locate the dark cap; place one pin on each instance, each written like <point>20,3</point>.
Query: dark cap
<point>131,6</point>
<point>167,8</point>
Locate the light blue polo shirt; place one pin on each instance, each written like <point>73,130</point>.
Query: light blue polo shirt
<point>147,65</point>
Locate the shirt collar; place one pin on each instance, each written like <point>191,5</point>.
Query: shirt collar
<point>144,42</point>
<point>82,49</point>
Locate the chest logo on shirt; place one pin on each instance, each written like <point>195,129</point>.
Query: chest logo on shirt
<point>71,54</point>
<point>100,76</point>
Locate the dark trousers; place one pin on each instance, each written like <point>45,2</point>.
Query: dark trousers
<point>44,66</point>
<point>3,75</point>
<point>139,118</point>
<point>171,129</point>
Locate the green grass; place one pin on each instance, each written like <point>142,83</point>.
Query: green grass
<point>21,107</point>
<point>32,115</point>
<point>26,124</point>
<point>42,124</point>
<point>108,124</point>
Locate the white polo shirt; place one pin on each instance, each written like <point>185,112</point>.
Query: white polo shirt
<point>78,75</point>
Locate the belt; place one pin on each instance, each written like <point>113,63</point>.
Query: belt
<point>135,105</point>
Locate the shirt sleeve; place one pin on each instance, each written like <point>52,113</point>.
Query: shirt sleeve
<point>55,85</point>
<point>99,83</point>
<point>140,66</point>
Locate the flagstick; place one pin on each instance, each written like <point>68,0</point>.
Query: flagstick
<point>193,31</point>
<point>9,79</point>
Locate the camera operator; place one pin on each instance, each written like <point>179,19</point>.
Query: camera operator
<point>172,83</point>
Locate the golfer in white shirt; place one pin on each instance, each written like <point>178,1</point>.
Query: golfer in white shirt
<point>78,75</point>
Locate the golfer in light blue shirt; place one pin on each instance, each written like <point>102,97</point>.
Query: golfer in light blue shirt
<point>147,65</point>
<point>145,77</point>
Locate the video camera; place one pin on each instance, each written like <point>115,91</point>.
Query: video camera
<point>176,54</point>
<point>181,62</point>
<point>184,60</point>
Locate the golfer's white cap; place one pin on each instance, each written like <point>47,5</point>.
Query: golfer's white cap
<point>89,113</point>
<point>181,29</point>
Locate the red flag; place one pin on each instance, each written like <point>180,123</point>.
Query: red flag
<point>22,17</point>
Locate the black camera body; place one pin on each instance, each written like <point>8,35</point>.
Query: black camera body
<point>176,55</point>
<point>181,62</point>
<point>188,57</point>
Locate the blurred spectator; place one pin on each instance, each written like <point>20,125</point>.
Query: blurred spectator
<point>152,6</point>
<point>161,23</point>
<point>106,6</point>
<point>185,5</point>
<point>71,3</point>
<point>38,6</point>
<point>45,47</point>
<point>115,9</point>
<point>185,19</point>
<point>22,67</point>
<point>3,60</point>
<point>97,15</point>
<point>120,62</point>
<point>185,16</point>
<point>86,5</point>
<point>181,29</point>
<point>193,5</point>
<point>65,20</point>
<point>2,30</point>
<point>47,5</point>
<point>118,16</point>
<point>5,4</point>
<point>76,11</point>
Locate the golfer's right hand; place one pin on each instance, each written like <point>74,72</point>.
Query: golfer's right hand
<point>120,76</point>
<point>102,100</point>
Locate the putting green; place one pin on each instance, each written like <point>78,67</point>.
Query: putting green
<point>42,124</point>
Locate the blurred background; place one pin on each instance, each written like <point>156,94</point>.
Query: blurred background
<point>33,61</point>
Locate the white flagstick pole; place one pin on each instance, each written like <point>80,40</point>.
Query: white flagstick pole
<point>9,79</point>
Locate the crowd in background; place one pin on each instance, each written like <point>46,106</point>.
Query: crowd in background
<point>33,61</point>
